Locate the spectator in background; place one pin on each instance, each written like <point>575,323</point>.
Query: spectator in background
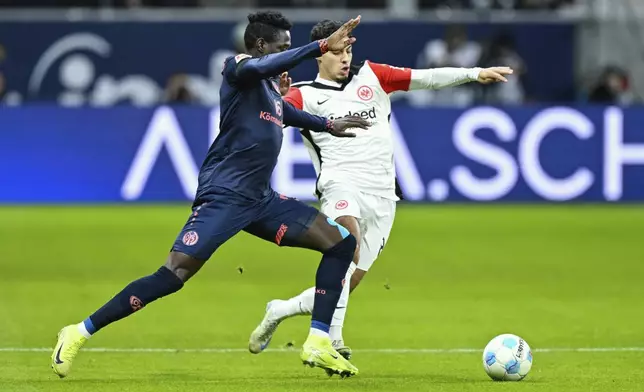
<point>544,4</point>
<point>494,4</point>
<point>613,87</point>
<point>9,98</point>
<point>454,50</point>
<point>204,90</point>
<point>156,3</point>
<point>176,90</point>
<point>502,50</point>
<point>3,83</point>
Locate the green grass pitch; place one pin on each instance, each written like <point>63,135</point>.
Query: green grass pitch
<point>452,277</point>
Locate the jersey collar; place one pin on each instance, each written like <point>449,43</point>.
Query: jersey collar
<point>329,83</point>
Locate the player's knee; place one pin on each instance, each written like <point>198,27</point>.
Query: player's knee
<point>344,249</point>
<point>182,265</point>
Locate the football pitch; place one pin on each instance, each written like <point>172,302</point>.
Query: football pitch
<point>568,279</point>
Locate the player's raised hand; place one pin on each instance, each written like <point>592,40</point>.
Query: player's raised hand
<point>341,125</point>
<point>285,83</point>
<point>494,75</point>
<point>340,39</point>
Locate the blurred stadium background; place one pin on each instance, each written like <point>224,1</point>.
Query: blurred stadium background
<point>107,108</point>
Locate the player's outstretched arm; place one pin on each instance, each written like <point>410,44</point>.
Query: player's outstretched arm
<point>250,69</point>
<point>253,69</point>
<point>303,120</point>
<point>438,78</point>
<point>405,79</point>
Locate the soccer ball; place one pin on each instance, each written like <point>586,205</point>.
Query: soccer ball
<point>507,358</point>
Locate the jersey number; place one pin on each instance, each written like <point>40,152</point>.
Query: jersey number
<point>278,108</point>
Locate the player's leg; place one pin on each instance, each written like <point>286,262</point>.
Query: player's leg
<point>376,234</point>
<point>378,215</point>
<point>334,204</point>
<point>344,207</point>
<point>208,227</point>
<point>352,224</point>
<point>302,304</point>
<point>291,223</point>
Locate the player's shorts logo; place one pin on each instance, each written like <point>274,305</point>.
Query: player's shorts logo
<point>365,93</point>
<point>341,204</point>
<point>135,303</point>
<point>280,233</point>
<point>190,238</point>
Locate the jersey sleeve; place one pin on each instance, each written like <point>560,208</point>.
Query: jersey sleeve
<point>294,97</point>
<point>300,119</point>
<point>249,69</point>
<point>437,78</point>
<point>392,78</point>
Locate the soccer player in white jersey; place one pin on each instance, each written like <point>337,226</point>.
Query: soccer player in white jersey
<point>356,181</point>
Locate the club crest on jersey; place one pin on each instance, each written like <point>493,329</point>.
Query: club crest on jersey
<point>275,86</point>
<point>190,238</point>
<point>365,93</point>
<point>341,204</point>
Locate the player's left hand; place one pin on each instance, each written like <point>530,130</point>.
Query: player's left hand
<point>341,125</point>
<point>494,75</point>
<point>285,83</point>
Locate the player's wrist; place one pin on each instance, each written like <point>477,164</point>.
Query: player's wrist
<point>474,73</point>
<point>329,125</point>
<point>324,45</point>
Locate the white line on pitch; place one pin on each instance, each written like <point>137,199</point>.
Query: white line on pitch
<point>283,350</point>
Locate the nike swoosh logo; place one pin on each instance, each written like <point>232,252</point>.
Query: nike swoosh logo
<point>57,360</point>
<point>333,356</point>
<point>321,102</point>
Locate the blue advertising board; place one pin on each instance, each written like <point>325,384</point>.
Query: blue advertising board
<point>50,154</point>
<point>108,63</point>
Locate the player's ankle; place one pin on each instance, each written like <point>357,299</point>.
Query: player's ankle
<point>335,333</point>
<point>319,328</point>
<point>86,328</point>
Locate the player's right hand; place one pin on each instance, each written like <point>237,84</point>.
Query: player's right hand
<point>340,39</point>
<point>494,75</point>
<point>341,125</point>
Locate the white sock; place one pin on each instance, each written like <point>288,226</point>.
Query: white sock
<point>83,330</point>
<point>299,305</point>
<point>341,309</point>
<point>318,332</point>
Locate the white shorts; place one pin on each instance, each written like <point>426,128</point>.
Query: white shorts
<point>375,216</point>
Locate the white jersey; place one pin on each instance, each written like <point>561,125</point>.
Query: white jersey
<point>365,162</point>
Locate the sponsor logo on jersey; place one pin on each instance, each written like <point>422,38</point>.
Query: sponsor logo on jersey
<point>341,204</point>
<point>269,117</point>
<point>365,114</point>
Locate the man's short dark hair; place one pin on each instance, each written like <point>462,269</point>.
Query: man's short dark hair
<point>265,24</point>
<point>324,29</point>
